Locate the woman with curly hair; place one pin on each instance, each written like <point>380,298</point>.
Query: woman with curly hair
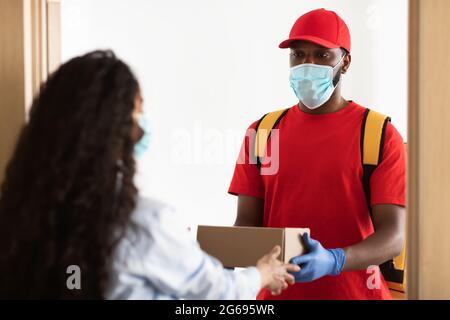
<point>68,198</point>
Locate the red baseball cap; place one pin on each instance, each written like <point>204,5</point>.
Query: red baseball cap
<point>322,27</point>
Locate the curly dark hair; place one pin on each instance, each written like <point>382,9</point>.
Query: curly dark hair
<point>59,202</point>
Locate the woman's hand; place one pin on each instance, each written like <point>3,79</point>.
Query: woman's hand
<point>275,275</point>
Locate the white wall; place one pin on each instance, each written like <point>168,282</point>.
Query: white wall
<point>210,68</point>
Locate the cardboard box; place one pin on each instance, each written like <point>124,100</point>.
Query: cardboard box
<point>244,246</point>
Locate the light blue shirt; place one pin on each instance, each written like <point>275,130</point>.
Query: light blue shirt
<point>159,259</point>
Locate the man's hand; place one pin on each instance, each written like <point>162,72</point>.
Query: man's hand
<point>318,262</point>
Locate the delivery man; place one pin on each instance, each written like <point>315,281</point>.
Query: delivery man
<point>318,181</point>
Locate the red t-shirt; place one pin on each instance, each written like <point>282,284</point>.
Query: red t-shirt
<point>318,185</point>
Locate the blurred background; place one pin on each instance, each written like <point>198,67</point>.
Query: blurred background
<point>208,69</point>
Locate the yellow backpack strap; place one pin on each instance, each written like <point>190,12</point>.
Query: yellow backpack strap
<point>374,127</point>
<point>372,144</point>
<point>263,129</point>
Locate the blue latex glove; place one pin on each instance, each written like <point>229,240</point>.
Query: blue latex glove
<point>318,262</point>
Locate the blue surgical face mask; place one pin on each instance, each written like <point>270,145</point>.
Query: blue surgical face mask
<point>141,147</point>
<point>313,84</point>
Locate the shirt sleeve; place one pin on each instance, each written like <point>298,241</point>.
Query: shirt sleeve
<point>246,178</point>
<point>388,181</point>
<point>173,263</point>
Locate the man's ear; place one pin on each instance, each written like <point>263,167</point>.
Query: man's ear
<point>347,61</point>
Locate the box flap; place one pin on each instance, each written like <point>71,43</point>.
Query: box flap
<point>293,244</point>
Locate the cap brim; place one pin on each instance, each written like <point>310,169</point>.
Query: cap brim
<point>324,43</point>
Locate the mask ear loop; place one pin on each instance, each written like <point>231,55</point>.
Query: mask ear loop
<point>338,76</point>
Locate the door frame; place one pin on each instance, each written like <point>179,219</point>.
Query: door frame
<point>30,50</point>
<point>428,204</point>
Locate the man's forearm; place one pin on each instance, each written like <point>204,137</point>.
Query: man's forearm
<point>250,212</point>
<point>376,249</point>
<point>243,222</point>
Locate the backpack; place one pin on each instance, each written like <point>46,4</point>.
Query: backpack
<point>372,143</point>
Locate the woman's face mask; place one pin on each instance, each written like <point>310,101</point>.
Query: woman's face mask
<point>143,144</point>
<point>141,128</point>
<point>313,84</point>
